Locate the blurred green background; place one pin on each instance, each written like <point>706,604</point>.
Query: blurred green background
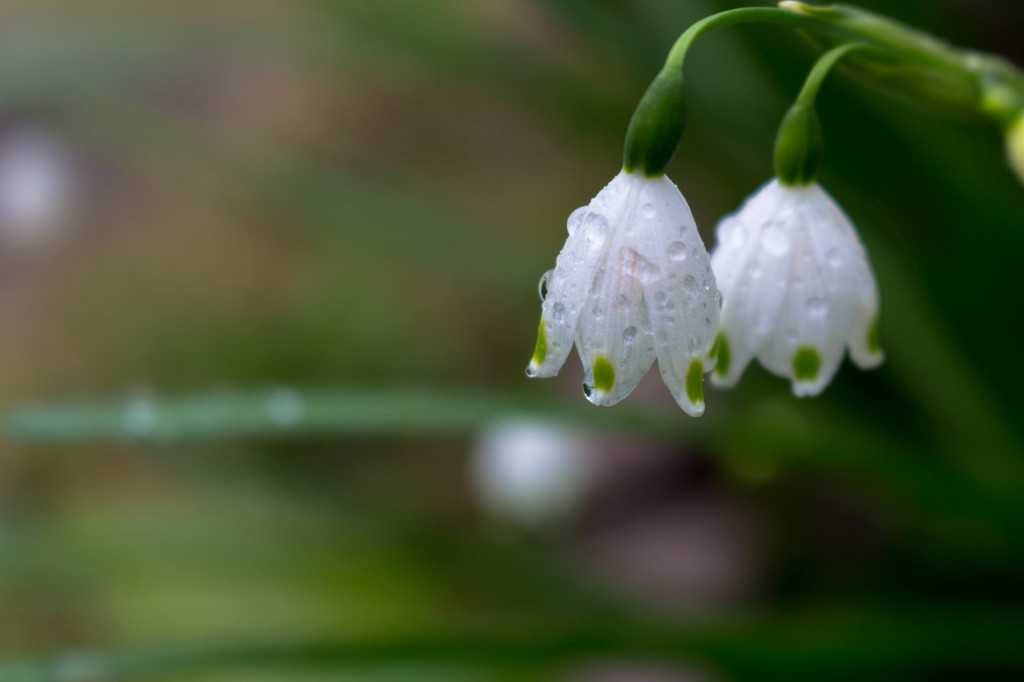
<point>236,203</point>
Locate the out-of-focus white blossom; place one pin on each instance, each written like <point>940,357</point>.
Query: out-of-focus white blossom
<point>632,283</point>
<point>530,470</point>
<point>797,288</point>
<point>36,190</point>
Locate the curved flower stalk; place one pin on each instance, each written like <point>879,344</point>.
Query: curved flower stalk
<point>798,289</point>
<point>632,283</point>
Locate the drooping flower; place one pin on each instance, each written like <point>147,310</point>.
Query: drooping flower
<point>797,288</point>
<point>632,283</point>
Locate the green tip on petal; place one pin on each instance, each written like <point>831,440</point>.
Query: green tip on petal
<point>874,340</point>
<point>540,351</point>
<point>722,349</point>
<point>1015,146</point>
<point>695,382</point>
<point>806,364</point>
<point>604,375</point>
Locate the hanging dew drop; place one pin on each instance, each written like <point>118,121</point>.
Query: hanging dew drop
<point>542,286</point>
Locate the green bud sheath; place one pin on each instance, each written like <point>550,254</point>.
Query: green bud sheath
<point>657,125</point>
<point>798,147</point>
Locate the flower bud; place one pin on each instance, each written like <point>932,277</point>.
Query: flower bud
<point>657,125</point>
<point>798,146</point>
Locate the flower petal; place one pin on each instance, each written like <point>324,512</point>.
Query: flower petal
<point>567,288</point>
<point>682,299</point>
<point>754,251</point>
<point>615,342</point>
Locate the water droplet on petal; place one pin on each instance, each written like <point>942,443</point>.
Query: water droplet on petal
<point>660,296</point>
<point>677,251</point>
<point>647,210</point>
<point>576,219</point>
<point>596,230</point>
<point>558,311</point>
<point>597,312</point>
<point>638,266</point>
<point>817,307</point>
<point>834,257</point>
<point>629,335</point>
<point>775,239</point>
<point>754,268</point>
<point>690,284</point>
<point>542,285</point>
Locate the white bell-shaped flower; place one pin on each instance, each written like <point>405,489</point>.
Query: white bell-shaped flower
<point>797,287</point>
<point>633,282</point>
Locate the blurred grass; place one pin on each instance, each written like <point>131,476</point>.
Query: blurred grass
<point>365,194</point>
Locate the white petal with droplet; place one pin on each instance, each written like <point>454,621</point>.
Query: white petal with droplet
<point>632,283</point>
<point>798,279</point>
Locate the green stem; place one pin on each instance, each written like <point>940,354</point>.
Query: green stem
<point>811,87</point>
<point>303,412</point>
<point>743,15</point>
<point>656,127</point>
<point>799,144</point>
